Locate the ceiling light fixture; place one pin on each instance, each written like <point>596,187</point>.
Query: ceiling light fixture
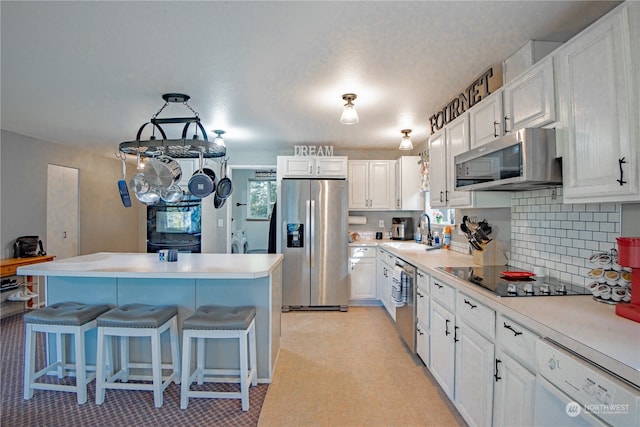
<point>405,143</point>
<point>349,114</point>
<point>177,148</point>
<point>218,140</point>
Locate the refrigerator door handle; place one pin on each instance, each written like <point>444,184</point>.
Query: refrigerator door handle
<point>312,224</point>
<point>307,232</point>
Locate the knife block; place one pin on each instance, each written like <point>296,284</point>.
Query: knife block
<point>491,254</point>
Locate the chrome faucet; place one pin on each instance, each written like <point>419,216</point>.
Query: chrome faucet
<point>429,238</point>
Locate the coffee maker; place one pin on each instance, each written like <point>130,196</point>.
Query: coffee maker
<point>402,228</point>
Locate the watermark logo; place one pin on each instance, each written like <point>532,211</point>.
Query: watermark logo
<point>572,409</point>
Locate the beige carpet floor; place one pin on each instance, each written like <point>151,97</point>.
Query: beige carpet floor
<point>350,369</point>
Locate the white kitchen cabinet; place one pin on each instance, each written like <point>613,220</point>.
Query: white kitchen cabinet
<point>486,120</point>
<point>438,170</point>
<point>362,273</point>
<point>408,194</point>
<point>443,347</point>
<point>514,378</point>
<point>422,317</point>
<point>598,88</point>
<point>473,375</point>
<point>514,392</point>
<point>530,100</point>
<point>312,167</point>
<point>525,57</point>
<point>456,142</point>
<point>371,184</point>
<point>386,263</point>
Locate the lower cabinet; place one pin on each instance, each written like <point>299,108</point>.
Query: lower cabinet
<point>513,393</point>
<point>423,339</point>
<point>384,277</point>
<point>514,378</point>
<point>442,347</point>
<point>473,375</point>
<point>362,273</point>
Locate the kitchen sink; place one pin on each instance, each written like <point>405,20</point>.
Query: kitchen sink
<point>407,246</point>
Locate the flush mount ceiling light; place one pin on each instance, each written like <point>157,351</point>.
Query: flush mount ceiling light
<point>405,143</point>
<point>218,140</point>
<point>349,114</point>
<point>183,147</point>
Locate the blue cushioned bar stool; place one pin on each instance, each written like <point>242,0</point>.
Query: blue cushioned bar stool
<point>68,318</point>
<point>210,322</point>
<point>137,320</point>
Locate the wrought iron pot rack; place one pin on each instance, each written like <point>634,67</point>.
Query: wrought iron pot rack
<point>176,148</point>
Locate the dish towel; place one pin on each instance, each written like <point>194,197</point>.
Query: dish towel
<point>398,291</point>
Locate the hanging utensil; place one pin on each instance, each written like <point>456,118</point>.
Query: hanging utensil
<point>225,187</point>
<point>202,184</point>
<point>122,183</point>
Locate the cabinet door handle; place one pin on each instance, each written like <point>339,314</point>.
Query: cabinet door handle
<point>438,285</point>
<point>310,170</point>
<point>505,124</point>
<point>455,334</point>
<point>419,294</point>
<point>466,301</point>
<point>515,333</point>
<point>446,195</point>
<point>497,374</point>
<point>419,331</point>
<point>495,129</point>
<point>420,274</point>
<point>318,169</point>
<point>621,161</point>
<point>441,194</point>
<point>65,234</point>
<point>446,327</point>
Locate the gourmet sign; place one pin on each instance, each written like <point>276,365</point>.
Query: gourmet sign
<point>474,93</point>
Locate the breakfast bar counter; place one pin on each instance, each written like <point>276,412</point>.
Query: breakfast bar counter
<point>194,280</point>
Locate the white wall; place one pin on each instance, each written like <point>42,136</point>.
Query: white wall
<point>105,224</point>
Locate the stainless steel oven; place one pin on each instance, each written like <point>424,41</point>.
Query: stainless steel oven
<point>175,226</point>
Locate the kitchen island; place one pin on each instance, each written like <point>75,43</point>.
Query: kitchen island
<point>194,280</point>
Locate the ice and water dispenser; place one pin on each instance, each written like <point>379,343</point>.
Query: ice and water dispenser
<point>295,235</point>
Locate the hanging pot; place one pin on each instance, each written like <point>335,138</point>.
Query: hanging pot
<point>202,183</point>
<point>171,194</point>
<point>225,187</point>
<point>218,201</point>
<point>162,171</point>
<point>151,197</point>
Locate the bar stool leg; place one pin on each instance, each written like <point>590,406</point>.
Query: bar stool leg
<point>124,357</point>
<point>252,354</point>
<point>61,355</point>
<point>175,350</point>
<point>244,372</point>
<point>200,346</point>
<point>81,368</point>
<point>100,368</point>
<point>29,361</point>
<point>186,369</point>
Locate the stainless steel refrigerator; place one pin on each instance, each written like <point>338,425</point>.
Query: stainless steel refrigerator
<point>314,243</point>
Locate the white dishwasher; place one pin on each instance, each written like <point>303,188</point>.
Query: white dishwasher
<point>571,391</point>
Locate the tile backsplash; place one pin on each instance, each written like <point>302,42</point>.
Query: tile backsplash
<point>560,237</point>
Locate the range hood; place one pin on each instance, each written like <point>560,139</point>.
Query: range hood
<point>523,160</point>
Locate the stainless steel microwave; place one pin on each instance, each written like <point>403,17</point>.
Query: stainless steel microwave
<point>522,160</point>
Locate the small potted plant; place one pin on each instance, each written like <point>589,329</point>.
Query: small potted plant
<point>438,217</point>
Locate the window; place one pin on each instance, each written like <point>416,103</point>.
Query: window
<point>262,197</point>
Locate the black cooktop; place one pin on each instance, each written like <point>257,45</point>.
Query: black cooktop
<point>515,283</point>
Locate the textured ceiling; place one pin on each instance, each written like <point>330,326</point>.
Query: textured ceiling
<point>271,74</point>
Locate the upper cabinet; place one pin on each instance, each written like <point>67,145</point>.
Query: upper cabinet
<point>598,84</point>
<point>486,120</point>
<point>437,170</point>
<point>456,137</point>
<point>408,194</point>
<point>529,100</point>
<point>312,167</point>
<point>371,184</point>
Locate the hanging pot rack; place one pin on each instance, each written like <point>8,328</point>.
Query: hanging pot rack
<point>181,148</point>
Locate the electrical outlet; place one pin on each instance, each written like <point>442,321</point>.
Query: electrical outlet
<point>381,223</point>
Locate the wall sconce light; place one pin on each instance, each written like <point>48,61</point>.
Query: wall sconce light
<point>405,142</point>
<point>349,114</point>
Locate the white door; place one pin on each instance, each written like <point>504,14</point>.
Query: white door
<point>514,393</point>
<point>457,142</point>
<point>362,278</point>
<point>382,184</point>
<point>358,182</point>
<point>437,170</point>
<point>442,356</point>
<point>62,211</point>
<point>486,120</point>
<point>473,376</point>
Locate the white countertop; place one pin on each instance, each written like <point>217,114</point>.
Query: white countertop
<point>143,265</point>
<point>587,327</point>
